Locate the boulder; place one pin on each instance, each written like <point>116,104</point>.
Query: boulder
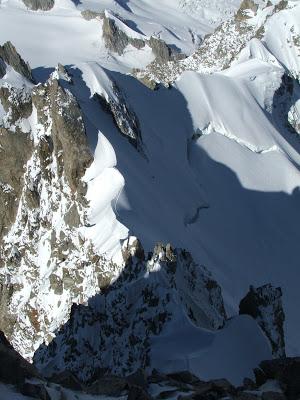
<point>287,372</point>
<point>139,378</point>
<point>67,380</point>
<point>137,393</point>
<point>185,377</point>
<point>36,391</point>
<point>108,385</point>
<point>270,395</point>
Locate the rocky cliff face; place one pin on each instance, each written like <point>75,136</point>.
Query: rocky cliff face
<point>265,306</point>
<point>125,119</point>
<point>10,56</point>
<point>137,307</point>
<point>35,5</point>
<point>221,48</point>
<point>116,37</point>
<point>46,263</point>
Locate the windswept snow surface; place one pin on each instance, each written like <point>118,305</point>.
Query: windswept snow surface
<point>105,183</point>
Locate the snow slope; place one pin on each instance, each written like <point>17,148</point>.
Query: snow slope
<point>232,352</point>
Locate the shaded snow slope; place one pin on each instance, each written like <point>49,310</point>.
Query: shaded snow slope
<point>231,352</point>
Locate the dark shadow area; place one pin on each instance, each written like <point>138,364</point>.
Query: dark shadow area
<point>77,2</point>
<point>124,4</point>
<point>41,74</point>
<point>284,98</point>
<point>132,25</point>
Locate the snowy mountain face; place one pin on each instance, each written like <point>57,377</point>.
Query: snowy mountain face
<point>133,124</point>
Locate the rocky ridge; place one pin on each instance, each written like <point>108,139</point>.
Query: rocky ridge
<point>46,263</point>
<point>122,321</point>
<point>221,48</point>
<point>118,35</point>
<point>10,56</point>
<point>265,306</point>
<point>43,5</point>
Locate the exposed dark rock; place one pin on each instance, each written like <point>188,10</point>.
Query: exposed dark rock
<point>137,393</point>
<point>9,54</point>
<point>35,5</point>
<point>185,377</point>
<point>35,391</point>
<point>160,49</point>
<point>13,368</point>
<point>124,117</point>
<point>66,379</point>
<point>7,320</point>
<point>2,68</point>
<point>265,306</point>
<point>115,39</point>
<point>260,377</point>
<point>211,390</point>
<point>134,249</point>
<point>284,111</point>
<point>273,396</point>
<point>68,131</point>
<point>282,5</point>
<point>287,372</point>
<point>246,5</point>
<point>246,396</point>
<point>223,385</point>
<point>16,103</point>
<point>108,386</point>
<point>72,217</point>
<point>249,384</point>
<point>138,378</point>
<point>15,150</point>
<point>56,284</point>
<point>89,14</point>
<point>63,73</point>
<point>164,52</point>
